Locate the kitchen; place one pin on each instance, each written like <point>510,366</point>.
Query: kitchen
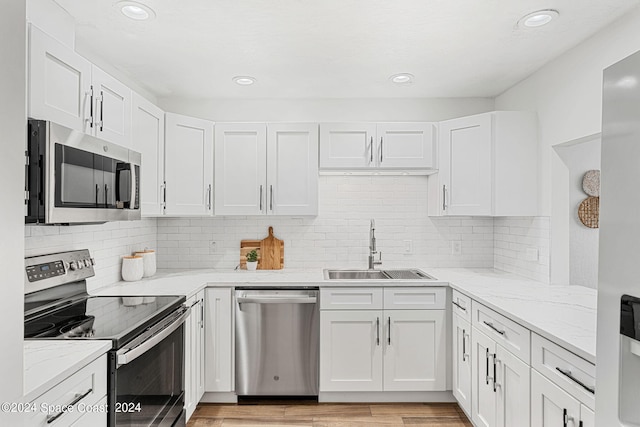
<point>564,89</point>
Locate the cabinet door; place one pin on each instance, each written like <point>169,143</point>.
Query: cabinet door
<point>148,139</point>
<point>190,326</point>
<point>513,390</point>
<point>112,108</point>
<point>241,169</point>
<point>466,164</point>
<point>415,350</point>
<point>483,396</point>
<point>351,350</point>
<point>200,345</point>
<point>462,363</point>
<point>219,370</point>
<point>292,169</point>
<point>406,145</point>
<point>587,417</point>
<point>188,165</point>
<point>347,145</point>
<point>550,405</point>
<point>59,82</point>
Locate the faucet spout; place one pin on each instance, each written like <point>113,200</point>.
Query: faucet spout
<point>372,246</point>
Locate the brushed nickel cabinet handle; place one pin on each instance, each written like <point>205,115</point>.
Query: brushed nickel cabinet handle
<point>261,198</point>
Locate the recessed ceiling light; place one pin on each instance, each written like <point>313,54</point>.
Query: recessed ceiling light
<point>244,80</point>
<point>402,78</point>
<point>136,11</point>
<point>538,19</point>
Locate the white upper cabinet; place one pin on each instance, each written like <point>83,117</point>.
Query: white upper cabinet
<point>240,168</point>
<point>378,146</point>
<point>148,139</point>
<point>266,169</point>
<point>188,166</point>
<point>347,145</point>
<point>67,89</point>
<point>59,82</point>
<point>292,169</point>
<point>112,117</point>
<point>487,166</point>
<point>406,145</point>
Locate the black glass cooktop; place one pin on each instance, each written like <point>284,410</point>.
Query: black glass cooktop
<point>116,318</point>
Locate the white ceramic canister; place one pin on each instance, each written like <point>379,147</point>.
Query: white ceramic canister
<point>132,268</point>
<point>149,261</point>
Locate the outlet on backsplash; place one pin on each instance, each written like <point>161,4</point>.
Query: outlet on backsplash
<point>408,247</point>
<point>212,247</point>
<point>456,247</point>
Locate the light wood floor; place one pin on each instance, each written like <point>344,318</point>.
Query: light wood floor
<point>330,414</point>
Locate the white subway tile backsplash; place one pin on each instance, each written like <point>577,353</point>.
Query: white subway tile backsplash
<point>107,243</point>
<point>339,235</point>
<point>513,236</point>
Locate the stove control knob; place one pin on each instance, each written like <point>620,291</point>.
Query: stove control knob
<point>73,266</point>
<point>93,261</point>
<point>80,264</point>
<point>87,263</point>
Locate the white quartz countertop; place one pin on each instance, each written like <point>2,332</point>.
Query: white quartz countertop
<point>48,362</point>
<point>563,314</point>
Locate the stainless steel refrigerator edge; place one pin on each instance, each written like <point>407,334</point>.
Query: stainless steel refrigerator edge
<point>277,342</point>
<point>618,367</point>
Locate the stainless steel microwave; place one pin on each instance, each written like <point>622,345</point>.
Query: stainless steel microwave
<point>72,177</point>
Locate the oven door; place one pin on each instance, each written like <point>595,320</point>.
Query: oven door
<point>146,385</point>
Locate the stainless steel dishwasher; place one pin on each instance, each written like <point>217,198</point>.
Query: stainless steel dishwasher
<point>277,341</point>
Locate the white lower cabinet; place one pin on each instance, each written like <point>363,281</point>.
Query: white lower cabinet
<point>194,354</point>
<point>414,350</point>
<point>500,385</point>
<point>461,362</point>
<point>219,374</point>
<point>551,406</point>
<point>380,350</point>
<point>350,350</point>
<point>85,388</point>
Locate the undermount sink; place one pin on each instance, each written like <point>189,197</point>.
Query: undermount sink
<point>406,274</point>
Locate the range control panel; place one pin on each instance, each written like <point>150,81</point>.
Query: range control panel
<point>44,271</point>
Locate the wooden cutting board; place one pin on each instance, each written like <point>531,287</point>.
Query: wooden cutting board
<point>270,252</point>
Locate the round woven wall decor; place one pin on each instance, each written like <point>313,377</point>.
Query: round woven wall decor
<point>589,211</point>
<point>591,183</point>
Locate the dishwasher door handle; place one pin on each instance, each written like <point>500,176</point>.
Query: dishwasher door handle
<point>277,300</point>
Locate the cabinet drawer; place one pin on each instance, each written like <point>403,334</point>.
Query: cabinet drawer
<point>88,386</point>
<point>570,372</point>
<point>461,305</point>
<point>351,299</point>
<point>415,298</point>
<point>506,332</point>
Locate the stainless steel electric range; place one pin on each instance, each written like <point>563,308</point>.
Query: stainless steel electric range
<point>146,361</point>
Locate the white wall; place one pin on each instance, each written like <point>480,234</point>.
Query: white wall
<point>327,110</point>
<point>339,235</point>
<point>106,242</point>
<point>567,94</point>
<point>12,141</point>
<point>583,246</point>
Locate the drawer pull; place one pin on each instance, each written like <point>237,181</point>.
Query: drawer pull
<point>493,327</point>
<point>77,399</point>
<point>459,306</point>
<point>577,381</point>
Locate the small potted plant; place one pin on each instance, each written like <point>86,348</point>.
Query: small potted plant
<point>252,260</point>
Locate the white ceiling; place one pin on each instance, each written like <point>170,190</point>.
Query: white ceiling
<point>334,48</point>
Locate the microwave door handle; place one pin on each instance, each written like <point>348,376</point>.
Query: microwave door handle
<point>126,356</point>
<point>132,202</point>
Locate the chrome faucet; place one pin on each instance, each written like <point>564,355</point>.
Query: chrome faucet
<point>372,247</point>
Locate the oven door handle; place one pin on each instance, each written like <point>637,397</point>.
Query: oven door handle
<point>127,356</point>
